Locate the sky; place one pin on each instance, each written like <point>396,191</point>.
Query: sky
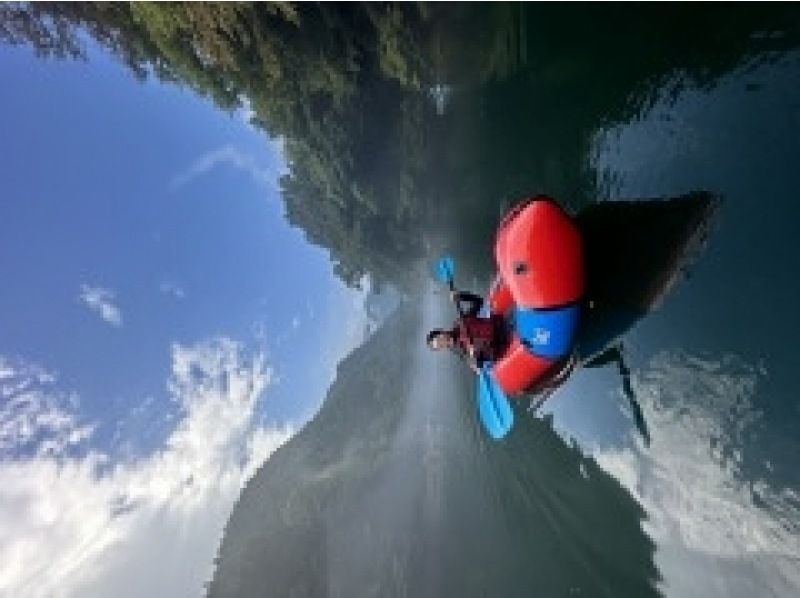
<point>162,329</point>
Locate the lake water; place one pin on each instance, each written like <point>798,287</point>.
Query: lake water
<point>393,488</point>
<point>591,105</point>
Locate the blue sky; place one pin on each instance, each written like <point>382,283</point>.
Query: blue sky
<point>162,329</point>
<point>149,194</point>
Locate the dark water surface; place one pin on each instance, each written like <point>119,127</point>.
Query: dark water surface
<point>393,489</point>
<point>586,104</point>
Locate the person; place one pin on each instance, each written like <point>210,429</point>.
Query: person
<point>474,338</point>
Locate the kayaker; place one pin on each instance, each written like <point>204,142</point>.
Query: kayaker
<point>474,338</point>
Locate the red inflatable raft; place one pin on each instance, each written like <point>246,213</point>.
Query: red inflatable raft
<point>538,288</point>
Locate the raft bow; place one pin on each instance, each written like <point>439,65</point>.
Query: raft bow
<point>538,289</point>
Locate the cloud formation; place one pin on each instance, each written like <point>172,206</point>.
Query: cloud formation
<point>101,301</point>
<point>228,155</point>
<point>73,523</point>
<point>33,419</point>
<point>245,112</point>
<point>719,530</point>
<point>173,289</point>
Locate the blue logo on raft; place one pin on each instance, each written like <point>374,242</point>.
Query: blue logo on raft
<point>547,333</point>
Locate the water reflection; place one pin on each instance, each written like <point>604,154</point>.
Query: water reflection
<point>615,355</point>
<point>440,94</point>
<point>719,528</point>
<point>392,488</point>
<point>405,502</point>
<point>721,498</point>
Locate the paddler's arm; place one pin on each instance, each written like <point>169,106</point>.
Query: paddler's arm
<point>472,362</point>
<point>469,357</point>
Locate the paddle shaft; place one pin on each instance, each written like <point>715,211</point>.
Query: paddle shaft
<point>500,417</point>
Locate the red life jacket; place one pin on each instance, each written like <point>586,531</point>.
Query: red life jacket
<point>479,332</point>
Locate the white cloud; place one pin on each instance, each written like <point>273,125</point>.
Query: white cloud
<point>718,530</point>
<point>79,525</point>
<point>262,174</point>
<point>33,419</point>
<point>173,289</point>
<point>101,300</point>
<point>245,112</point>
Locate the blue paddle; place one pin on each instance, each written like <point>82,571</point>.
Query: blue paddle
<point>445,271</point>
<point>494,408</point>
<point>493,405</point>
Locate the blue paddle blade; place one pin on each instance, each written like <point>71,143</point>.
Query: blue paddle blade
<point>445,270</point>
<point>494,408</point>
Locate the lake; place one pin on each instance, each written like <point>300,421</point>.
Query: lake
<point>406,132</point>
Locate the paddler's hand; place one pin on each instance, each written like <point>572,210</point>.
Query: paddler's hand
<point>453,294</point>
<point>472,362</point>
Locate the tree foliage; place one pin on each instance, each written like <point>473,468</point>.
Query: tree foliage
<point>339,83</point>
<point>375,173</point>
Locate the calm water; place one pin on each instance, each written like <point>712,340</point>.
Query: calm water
<point>596,110</point>
<point>393,488</point>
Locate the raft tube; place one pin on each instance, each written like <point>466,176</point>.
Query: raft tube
<point>538,288</point>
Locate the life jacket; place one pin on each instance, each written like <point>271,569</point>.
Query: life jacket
<point>478,332</point>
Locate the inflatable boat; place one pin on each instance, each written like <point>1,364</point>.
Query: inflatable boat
<point>538,290</point>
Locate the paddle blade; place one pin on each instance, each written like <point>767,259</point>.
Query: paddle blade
<point>494,408</point>
<point>445,270</point>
